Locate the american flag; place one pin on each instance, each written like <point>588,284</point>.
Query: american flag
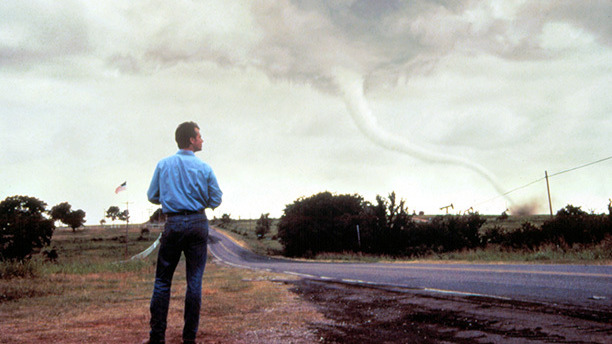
<point>121,187</point>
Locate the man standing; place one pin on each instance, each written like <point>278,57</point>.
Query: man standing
<point>184,186</point>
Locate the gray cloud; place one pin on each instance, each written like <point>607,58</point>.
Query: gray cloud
<point>296,40</point>
<point>36,31</point>
<point>523,80</point>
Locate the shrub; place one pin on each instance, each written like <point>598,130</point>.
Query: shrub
<point>262,227</point>
<point>157,216</point>
<point>502,217</point>
<point>493,235</point>
<point>449,233</point>
<point>321,223</point>
<point>23,227</point>
<point>15,268</point>
<point>528,236</point>
<point>571,225</point>
<point>226,221</point>
<point>386,226</point>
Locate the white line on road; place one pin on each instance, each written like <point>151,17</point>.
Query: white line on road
<point>454,292</point>
<point>299,274</point>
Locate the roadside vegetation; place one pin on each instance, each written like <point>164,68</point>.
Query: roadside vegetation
<point>345,227</point>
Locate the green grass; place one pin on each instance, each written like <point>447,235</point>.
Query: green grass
<point>597,254</point>
<point>15,269</point>
<point>512,223</point>
<point>244,231</point>
<point>83,268</point>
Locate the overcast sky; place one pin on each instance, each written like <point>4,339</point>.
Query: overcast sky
<point>440,101</point>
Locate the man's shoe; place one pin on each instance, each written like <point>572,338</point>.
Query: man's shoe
<point>148,341</point>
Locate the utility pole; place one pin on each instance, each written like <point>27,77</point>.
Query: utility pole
<point>127,224</point>
<point>548,190</point>
<point>358,237</point>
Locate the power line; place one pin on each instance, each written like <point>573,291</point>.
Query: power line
<point>541,179</point>
<point>585,165</point>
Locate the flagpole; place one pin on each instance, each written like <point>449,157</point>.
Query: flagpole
<point>120,188</point>
<point>127,224</point>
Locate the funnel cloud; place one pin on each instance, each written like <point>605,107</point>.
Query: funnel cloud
<point>351,86</point>
<point>515,87</point>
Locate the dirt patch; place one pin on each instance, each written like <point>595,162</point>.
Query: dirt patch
<point>356,314</point>
<point>239,307</point>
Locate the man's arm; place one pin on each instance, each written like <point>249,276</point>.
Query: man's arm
<point>153,192</point>
<point>214,192</point>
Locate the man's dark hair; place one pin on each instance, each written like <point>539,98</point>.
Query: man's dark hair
<point>184,132</point>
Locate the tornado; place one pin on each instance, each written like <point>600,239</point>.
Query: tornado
<point>351,86</point>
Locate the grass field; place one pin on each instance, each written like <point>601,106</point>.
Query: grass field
<point>90,296</point>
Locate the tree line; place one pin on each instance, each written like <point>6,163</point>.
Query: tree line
<point>326,222</point>
<point>26,226</point>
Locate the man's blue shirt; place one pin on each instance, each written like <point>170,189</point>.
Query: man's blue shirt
<point>184,182</point>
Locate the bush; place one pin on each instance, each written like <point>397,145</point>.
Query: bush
<point>50,255</point>
<point>528,236</point>
<point>493,235</point>
<point>226,221</point>
<point>449,233</point>
<point>14,268</point>
<point>571,225</point>
<point>23,228</point>
<point>262,227</point>
<point>320,223</point>
<point>386,226</point>
<point>157,216</point>
<point>327,223</point>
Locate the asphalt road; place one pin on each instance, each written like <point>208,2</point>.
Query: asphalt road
<point>588,286</point>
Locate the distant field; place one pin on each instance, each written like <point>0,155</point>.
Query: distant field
<point>513,222</point>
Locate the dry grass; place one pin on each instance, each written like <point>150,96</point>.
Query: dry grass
<point>87,298</point>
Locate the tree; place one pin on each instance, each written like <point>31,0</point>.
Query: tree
<point>113,212</point>
<point>23,227</point>
<point>572,225</point>
<point>451,233</point>
<point>226,221</point>
<point>60,211</point>
<point>158,216</point>
<point>262,227</point>
<point>124,215</point>
<point>75,219</point>
<point>387,225</point>
<point>321,223</point>
<point>63,212</point>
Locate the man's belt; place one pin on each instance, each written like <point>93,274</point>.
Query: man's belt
<point>184,212</point>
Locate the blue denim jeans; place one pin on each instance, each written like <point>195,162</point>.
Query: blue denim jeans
<point>187,234</point>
